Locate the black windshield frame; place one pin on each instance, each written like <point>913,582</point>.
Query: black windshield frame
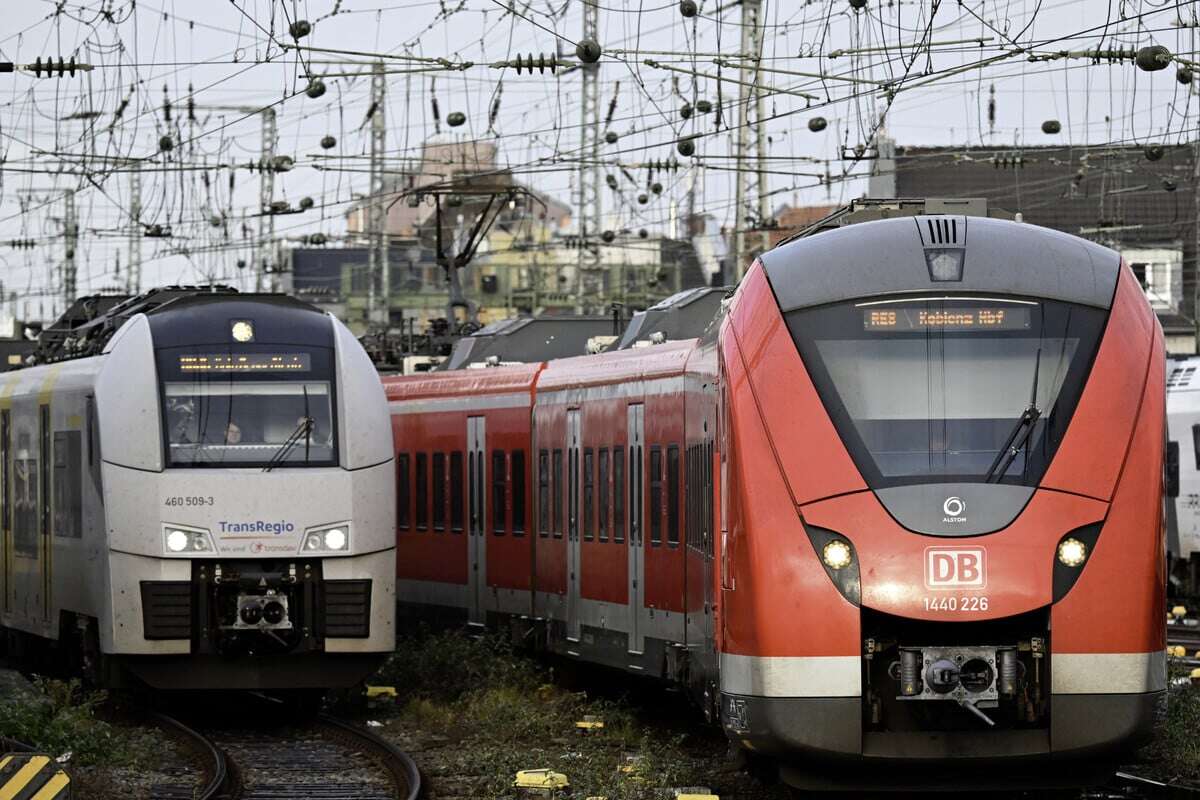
<point>321,368</point>
<point>1051,320</point>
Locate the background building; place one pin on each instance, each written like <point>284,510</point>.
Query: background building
<point>1140,201</point>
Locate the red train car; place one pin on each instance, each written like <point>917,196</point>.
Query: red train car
<point>901,503</point>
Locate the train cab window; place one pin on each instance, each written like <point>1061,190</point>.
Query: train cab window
<point>260,407</point>
<point>656,495</point>
<point>558,494</point>
<point>422,492</point>
<point>439,491</point>
<point>618,457</point>
<point>673,495</point>
<point>456,492</point>
<point>499,501</point>
<point>602,477</point>
<point>935,389</point>
<point>403,491</point>
<point>543,493</point>
<point>517,466</point>
<point>589,494</point>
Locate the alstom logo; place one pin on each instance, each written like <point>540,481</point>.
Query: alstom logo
<point>955,568</point>
<point>953,508</point>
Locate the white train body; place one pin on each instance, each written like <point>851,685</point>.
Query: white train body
<point>208,503</point>
<point>1183,432</point>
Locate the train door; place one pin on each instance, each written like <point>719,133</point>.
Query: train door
<point>574,568</point>
<point>477,522</point>
<point>45,509</point>
<point>636,419</point>
<point>6,530</point>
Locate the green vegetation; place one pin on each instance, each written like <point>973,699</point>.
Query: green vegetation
<point>480,712</point>
<point>62,718</point>
<point>1174,755</point>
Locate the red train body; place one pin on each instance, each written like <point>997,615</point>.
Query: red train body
<point>903,500</point>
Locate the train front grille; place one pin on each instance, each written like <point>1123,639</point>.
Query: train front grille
<point>167,609</point>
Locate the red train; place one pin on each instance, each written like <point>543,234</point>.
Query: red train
<point>901,502</point>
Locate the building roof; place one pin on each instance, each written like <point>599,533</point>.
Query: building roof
<point>1096,192</point>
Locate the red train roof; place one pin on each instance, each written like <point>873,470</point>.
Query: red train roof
<point>462,382</point>
<point>642,363</point>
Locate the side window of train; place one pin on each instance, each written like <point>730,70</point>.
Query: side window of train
<point>618,457</point>
<point>543,492</point>
<point>557,528</point>
<point>517,466</point>
<point>403,491</point>
<point>93,445</point>
<point>25,495</point>
<point>67,513</point>
<point>456,492</point>
<point>656,495</point>
<point>1171,467</point>
<point>499,501</point>
<point>1196,443</point>
<point>709,495</point>
<point>602,523</point>
<point>589,494</point>
<point>439,492</point>
<point>673,495</point>
<point>422,491</point>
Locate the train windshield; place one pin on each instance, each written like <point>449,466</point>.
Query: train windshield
<point>248,408</point>
<point>943,389</point>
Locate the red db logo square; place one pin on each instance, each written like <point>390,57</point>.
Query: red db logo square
<point>955,568</point>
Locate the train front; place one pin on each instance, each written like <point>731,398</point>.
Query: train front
<point>248,494</point>
<point>942,497</point>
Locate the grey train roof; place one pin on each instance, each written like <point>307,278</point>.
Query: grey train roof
<point>889,257</point>
<point>683,315</point>
<point>529,339</point>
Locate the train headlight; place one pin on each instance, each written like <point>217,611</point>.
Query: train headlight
<point>836,554</point>
<point>333,539</point>
<point>242,330</point>
<point>177,541</point>
<point>1072,552</point>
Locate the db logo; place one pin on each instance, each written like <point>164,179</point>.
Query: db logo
<point>955,568</point>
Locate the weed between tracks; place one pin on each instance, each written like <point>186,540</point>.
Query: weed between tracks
<point>1175,753</point>
<point>472,713</point>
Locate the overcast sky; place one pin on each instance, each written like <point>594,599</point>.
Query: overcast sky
<point>229,54</point>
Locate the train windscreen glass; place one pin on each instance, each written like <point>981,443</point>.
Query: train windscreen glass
<point>942,389</point>
<point>248,408</point>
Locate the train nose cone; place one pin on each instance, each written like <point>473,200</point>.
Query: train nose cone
<point>251,613</point>
<point>942,675</point>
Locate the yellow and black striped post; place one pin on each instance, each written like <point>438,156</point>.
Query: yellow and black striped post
<point>32,776</point>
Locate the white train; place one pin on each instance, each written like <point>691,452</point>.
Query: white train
<point>1183,473</point>
<point>205,502</point>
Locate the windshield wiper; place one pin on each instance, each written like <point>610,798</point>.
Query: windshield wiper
<point>1022,430</point>
<point>302,430</point>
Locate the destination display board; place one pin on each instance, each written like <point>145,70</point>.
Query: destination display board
<point>972,318</point>
<point>245,362</point>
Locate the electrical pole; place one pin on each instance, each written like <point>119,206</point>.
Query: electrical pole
<point>377,240</point>
<point>133,270</point>
<point>70,242</point>
<point>748,75</point>
<point>266,196</point>
<point>589,165</point>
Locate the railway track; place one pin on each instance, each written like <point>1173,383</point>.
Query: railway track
<point>324,759</point>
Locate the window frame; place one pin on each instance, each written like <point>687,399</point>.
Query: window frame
<point>403,491</point>
<point>516,459</point>
<point>499,492</point>
<point>605,493</point>
<point>556,481</point>
<point>421,491</point>
<point>544,519</point>
<point>618,470</point>
<point>441,497</point>
<point>654,477</point>
<point>458,514</point>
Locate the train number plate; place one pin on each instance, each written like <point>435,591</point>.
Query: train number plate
<point>952,603</point>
